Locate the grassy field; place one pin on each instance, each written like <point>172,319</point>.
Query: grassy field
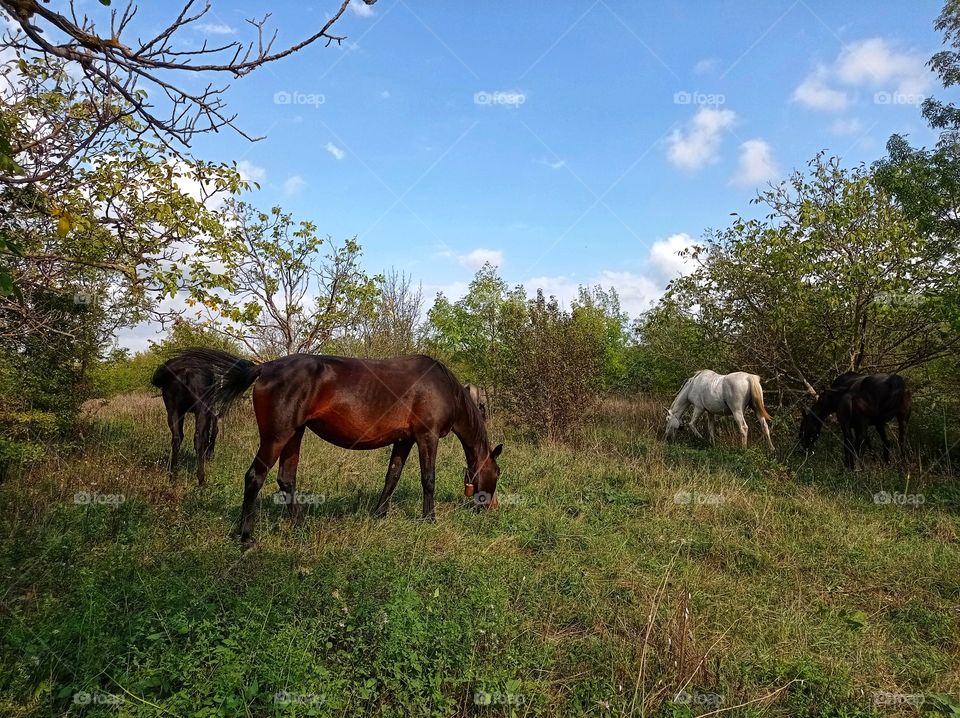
<point>621,577</point>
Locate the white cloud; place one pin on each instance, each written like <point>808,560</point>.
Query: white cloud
<point>876,63</point>
<point>478,257</point>
<point>251,172</point>
<point>815,93</point>
<point>293,184</point>
<point>214,28</point>
<point>756,165</point>
<point>705,67</point>
<point>699,144</point>
<point>873,63</point>
<point>361,8</point>
<point>335,151</point>
<point>385,94</point>
<point>851,126</point>
<point>553,164</point>
<point>665,258</point>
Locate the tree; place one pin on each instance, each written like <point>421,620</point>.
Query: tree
<point>280,298</point>
<point>126,79</point>
<point>391,327</point>
<point>834,278</point>
<point>469,332</point>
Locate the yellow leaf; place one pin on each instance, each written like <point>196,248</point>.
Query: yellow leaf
<point>63,226</point>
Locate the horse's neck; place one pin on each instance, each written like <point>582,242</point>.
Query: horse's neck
<point>472,433</point>
<point>828,403</point>
<point>682,401</point>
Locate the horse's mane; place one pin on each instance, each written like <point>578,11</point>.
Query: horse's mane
<point>476,426</point>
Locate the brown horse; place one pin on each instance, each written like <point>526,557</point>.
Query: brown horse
<point>186,386</point>
<point>359,404</point>
<point>859,402</point>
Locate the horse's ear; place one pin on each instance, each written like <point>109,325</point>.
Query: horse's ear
<point>496,451</point>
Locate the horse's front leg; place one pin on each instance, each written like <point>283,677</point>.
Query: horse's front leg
<point>849,452</point>
<point>427,451</point>
<point>398,458</point>
<point>694,415</point>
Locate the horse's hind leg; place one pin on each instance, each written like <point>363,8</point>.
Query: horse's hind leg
<point>710,431</point>
<point>175,422</point>
<point>287,476</point>
<point>266,457</point>
<point>398,457</point>
<point>214,432</point>
<point>882,431</point>
<point>427,451</point>
<point>742,426</point>
<point>765,427</point>
<point>201,438</point>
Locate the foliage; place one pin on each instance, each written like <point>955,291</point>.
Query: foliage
<point>834,259</point>
<point>556,366</point>
<point>120,372</point>
<point>280,298</point>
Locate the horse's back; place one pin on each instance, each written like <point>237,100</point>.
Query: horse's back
<point>360,403</point>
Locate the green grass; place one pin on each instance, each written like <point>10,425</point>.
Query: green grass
<point>622,577</point>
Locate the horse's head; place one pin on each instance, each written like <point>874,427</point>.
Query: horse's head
<point>810,427</point>
<point>673,423</point>
<point>480,481</point>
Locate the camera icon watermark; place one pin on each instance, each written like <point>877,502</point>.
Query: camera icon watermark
<point>703,99</point>
<point>510,98</point>
<point>295,97</point>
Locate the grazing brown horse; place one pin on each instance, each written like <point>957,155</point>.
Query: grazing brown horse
<point>186,386</point>
<point>860,401</point>
<point>359,404</point>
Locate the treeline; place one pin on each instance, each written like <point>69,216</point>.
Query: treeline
<point>837,268</point>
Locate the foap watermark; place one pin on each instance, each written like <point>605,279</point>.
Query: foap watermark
<point>695,698</point>
<point>282,497</point>
<point>693,498</point>
<point>495,698</point>
<point>95,498</point>
<point>286,698</point>
<point>896,498</point>
<point>704,99</point>
<point>897,98</point>
<point>510,98</point>
<point>900,298</point>
<point>85,698</point>
<point>310,99</point>
<point>885,698</point>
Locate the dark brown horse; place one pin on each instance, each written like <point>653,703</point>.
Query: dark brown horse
<point>359,404</point>
<point>186,386</point>
<point>859,402</point>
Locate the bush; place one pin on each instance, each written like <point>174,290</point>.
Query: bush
<point>555,370</point>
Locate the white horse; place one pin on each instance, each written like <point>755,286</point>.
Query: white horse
<point>720,394</point>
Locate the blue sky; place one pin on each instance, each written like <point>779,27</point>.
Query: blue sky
<point>570,142</point>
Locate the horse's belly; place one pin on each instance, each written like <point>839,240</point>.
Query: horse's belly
<point>349,434</point>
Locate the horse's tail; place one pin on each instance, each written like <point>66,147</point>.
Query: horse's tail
<point>161,376</point>
<point>232,374</point>
<point>234,382</point>
<point>756,398</point>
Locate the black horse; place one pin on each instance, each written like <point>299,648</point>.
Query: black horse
<point>860,401</point>
<point>187,387</point>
